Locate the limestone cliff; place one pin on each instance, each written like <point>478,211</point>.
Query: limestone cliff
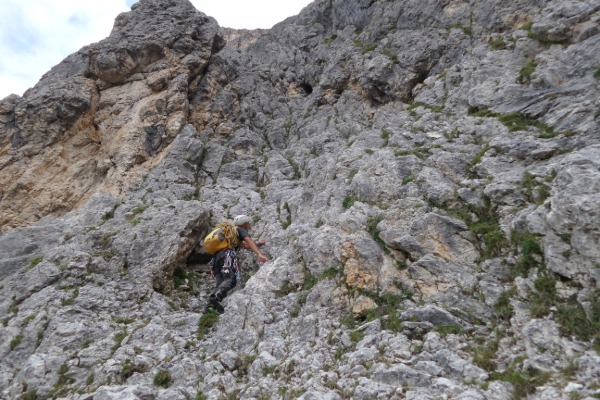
<point>426,174</point>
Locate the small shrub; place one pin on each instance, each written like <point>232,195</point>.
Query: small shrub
<point>59,389</point>
<point>352,174</point>
<point>514,121</point>
<point>455,134</point>
<point>118,338</point>
<point>162,378</point>
<point>182,276</point>
<point>597,74</point>
<point>200,396</point>
<point>466,30</point>
<point>207,320</point>
<point>573,321</point>
<point>488,228</point>
<point>503,309</point>
<point>531,253</point>
<point>391,55</point>
<point>111,213</point>
<point>138,209</point>
<point>29,395</point>
<point>393,322</point>
<point>295,167</point>
<point>247,361</point>
<point>349,321</point>
<point>330,273</point>
<point>485,354</point>
<point>105,240</point>
<point>477,159</point>
<point>497,44</point>
<point>286,289</point>
<point>448,329</point>
<point>493,237</point>
<point>16,341</point>
<point>329,40</point>
<point>407,180</point>
<point>542,192</point>
<point>420,152</point>
<point>365,48</point>
<point>551,176</point>
<point>127,370</point>
<point>132,218</point>
<point>29,318</point>
<point>544,297</point>
<point>309,282</point>
<point>34,262</point>
<point>533,191</point>
<point>356,336</point>
<point>348,201</point>
<point>526,71</point>
<point>374,231</point>
<point>524,383</point>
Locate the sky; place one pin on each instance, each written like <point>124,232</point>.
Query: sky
<point>35,35</point>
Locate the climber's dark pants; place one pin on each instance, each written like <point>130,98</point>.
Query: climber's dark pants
<point>224,281</point>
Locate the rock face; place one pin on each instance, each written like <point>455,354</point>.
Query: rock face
<point>426,175</point>
<point>104,115</point>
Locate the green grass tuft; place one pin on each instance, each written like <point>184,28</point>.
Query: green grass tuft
<point>16,341</point>
<point>497,44</point>
<point>357,336</point>
<point>374,231</point>
<point>526,72</point>
<point>503,309</point>
<point>477,159</point>
<point>524,382</point>
<point>34,262</point>
<point>449,329</point>
<point>162,379</point>
<point>29,395</point>
<point>330,39</point>
<point>531,253</point>
<point>544,297</point>
<point>207,320</point>
<point>391,55</point>
<point>349,201</point>
<point>407,180</point>
<point>573,321</point>
<point>485,354</point>
<point>295,167</point>
<point>516,121</point>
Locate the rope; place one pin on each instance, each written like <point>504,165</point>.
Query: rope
<point>230,232</point>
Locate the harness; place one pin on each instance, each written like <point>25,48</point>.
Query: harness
<point>231,263</point>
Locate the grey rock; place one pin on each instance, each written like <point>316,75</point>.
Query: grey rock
<point>374,144</point>
<point>435,315</point>
<point>399,373</point>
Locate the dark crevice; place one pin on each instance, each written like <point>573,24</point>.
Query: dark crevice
<point>306,87</point>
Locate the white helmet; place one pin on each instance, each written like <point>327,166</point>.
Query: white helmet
<point>241,220</point>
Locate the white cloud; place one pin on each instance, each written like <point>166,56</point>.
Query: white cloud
<point>35,35</point>
<point>250,14</point>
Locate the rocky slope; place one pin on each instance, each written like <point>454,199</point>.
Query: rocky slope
<point>426,174</point>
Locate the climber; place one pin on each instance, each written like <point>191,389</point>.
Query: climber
<point>224,266</point>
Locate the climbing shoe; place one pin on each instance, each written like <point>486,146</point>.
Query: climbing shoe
<point>214,304</point>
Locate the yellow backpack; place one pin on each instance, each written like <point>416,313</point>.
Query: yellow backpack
<point>224,236</point>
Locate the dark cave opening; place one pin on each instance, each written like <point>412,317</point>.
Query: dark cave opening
<point>306,87</point>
